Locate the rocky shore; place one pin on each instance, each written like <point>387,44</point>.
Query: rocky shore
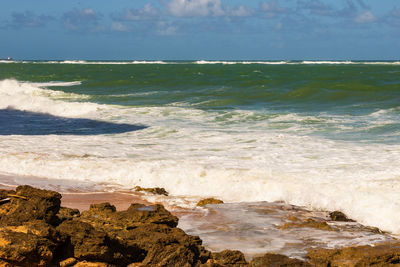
<point>36,231</point>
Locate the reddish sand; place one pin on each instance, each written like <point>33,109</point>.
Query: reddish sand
<point>82,201</point>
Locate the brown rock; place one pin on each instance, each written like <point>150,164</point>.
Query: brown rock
<point>67,214</point>
<point>277,260</point>
<point>85,242</point>
<point>155,190</point>
<point>68,262</point>
<point>206,201</point>
<point>92,264</point>
<point>320,225</point>
<point>339,216</point>
<point>232,258</point>
<point>387,254</point>
<point>37,204</point>
<point>146,235</point>
<point>24,249</point>
<point>137,214</point>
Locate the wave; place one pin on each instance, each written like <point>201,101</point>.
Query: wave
<point>56,84</point>
<point>28,96</point>
<point>327,62</point>
<point>204,62</point>
<point>200,62</point>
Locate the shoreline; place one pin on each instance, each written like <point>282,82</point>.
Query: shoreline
<point>35,229</point>
<point>253,227</point>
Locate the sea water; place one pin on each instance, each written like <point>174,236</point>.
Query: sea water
<point>320,134</point>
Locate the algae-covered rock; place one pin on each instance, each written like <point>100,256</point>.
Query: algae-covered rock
<point>233,258</point>
<point>85,242</point>
<point>104,215</point>
<point>30,203</point>
<point>387,254</point>
<point>67,214</point>
<point>277,260</point>
<point>20,248</point>
<point>146,234</point>
<point>68,262</point>
<point>155,190</point>
<point>207,201</point>
<point>339,216</point>
<point>320,225</point>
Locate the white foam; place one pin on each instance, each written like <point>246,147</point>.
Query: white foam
<point>56,83</point>
<point>327,62</point>
<point>32,97</point>
<point>241,62</point>
<point>106,62</point>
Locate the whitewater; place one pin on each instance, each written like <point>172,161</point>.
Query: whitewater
<point>322,160</point>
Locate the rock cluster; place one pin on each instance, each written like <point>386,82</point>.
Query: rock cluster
<point>36,231</point>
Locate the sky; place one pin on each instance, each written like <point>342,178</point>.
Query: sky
<point>200,29</point>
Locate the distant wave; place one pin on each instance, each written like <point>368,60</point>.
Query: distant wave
<point>56,83</point>
<point>204,62</point>
<point>241,62</point>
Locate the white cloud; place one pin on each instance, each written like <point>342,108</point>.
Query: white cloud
<point>365,17</point>
<point>82,19</point>
<point>271,9</point>
<point>147,12</point>
<point>202,8</point>
<point>240,11</point>
<point>166,28</point>
<point>119,27</point>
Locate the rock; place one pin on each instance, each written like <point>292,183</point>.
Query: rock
<point>146,235</point>
<point>206,201</point>
<point>92,264</point>
<point>18,248</point>
<point>155,190</point>
<point>339,216</point>
<point>67,214</point>
<point>38,205</point>
<point>387,254</point>
<point>277,260</point>
<point>86,242</point>
<point>320,225</point>
<point>105,215</point>
<point>68,262</point>
<point>232,258</point>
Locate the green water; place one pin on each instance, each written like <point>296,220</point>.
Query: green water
<point>352,91</point>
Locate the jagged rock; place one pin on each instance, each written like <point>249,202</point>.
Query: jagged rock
<point>67,214</point>
<point>86,242</point>
<point>206,201</point>
<point>277,260</point>
<point>232,258</point>
<point>339,216</point>
<point>38,205</point>
<point>18,248</point>
<point>147,234</point>
<point>155,190</point>
<point>387,254</point>
<point>105,215</point>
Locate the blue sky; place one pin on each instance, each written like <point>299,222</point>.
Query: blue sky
<point>200,29</point>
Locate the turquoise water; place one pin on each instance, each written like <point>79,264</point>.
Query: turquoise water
<point>324,135</point>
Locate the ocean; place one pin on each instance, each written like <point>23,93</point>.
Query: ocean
<point>319,134</point>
